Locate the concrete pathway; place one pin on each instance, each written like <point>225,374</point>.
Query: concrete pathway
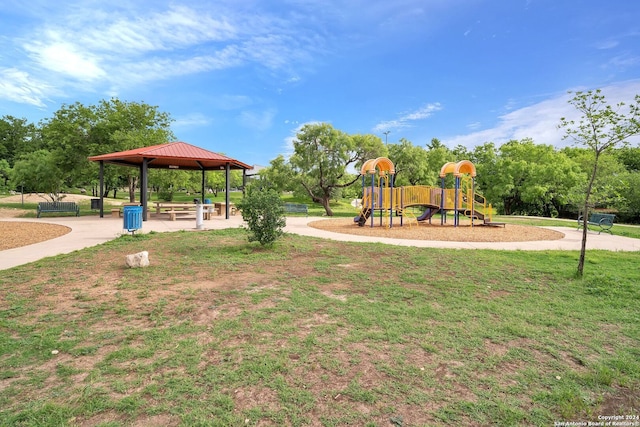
<point>89,231</point>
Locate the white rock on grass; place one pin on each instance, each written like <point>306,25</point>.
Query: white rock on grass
<point>141,259</point>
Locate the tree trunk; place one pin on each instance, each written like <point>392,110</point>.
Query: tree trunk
<point>585,218</point>
<point>507,207</point>
<point>325,201</point>
<point>132,189</point>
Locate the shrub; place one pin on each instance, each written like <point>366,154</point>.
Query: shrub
<point>263,210</point>
<point>166,195</point>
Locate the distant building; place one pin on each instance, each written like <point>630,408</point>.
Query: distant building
<point>254,172</point>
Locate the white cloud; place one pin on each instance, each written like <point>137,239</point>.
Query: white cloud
<point>474,125</point>
<point>18,86</point>
<point>405,119</point>
<point>231,102</point>
<point>65,58</point>
<point>113,49</point>
<point>607,44</point>
<point>259,120</point>
<point>623,61</point>
<point>191,120</point>
<point>175,28</point>
<point>540,121</point>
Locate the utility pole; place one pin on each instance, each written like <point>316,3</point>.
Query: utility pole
<point>385,136</point>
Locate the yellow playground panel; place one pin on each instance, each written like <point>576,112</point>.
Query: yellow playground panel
<point>382,196</point>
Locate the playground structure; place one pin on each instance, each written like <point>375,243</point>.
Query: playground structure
<point>381,196</point>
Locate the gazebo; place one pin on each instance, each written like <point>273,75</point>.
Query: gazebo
<point>172,155</point>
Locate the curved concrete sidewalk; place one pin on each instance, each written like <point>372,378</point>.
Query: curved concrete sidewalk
<point>91,231</point>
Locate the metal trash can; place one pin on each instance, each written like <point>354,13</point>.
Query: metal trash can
<point>95,204</point>
<point>132,218</point>
<point>208,209</point>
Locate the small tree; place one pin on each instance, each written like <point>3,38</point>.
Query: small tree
<point>39,172</point>
<point>263,211</point>
<point>601,128</point>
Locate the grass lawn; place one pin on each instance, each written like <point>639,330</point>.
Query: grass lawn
<point>220,332</point>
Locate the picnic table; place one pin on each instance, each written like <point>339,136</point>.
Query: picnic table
<point>175,209</point>
<point>222,207</point>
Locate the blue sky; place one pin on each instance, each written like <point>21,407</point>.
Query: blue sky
<point>240,76</point>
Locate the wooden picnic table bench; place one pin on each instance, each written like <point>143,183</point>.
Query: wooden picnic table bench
<point>54,207</point>
<point>221,207</point>
<point>177,209</point>
<point>602,220</point>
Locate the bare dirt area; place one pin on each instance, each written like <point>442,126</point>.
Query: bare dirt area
<point>21,233</point>
<point>463,233</point>
<point>14,234</point>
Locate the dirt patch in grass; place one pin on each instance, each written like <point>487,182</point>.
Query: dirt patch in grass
<point>419,231</point>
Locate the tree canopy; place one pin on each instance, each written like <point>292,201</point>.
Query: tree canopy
<point>322,159</point>
<point>75,132</point>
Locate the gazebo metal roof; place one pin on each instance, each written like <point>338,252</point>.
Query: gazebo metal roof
<point>172,155</point>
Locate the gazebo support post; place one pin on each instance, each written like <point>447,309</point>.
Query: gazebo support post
<point>244,180</point>
<point>101,189</point>
<point>143,187</point>
<point>227,174</point>
<point>203,181</point>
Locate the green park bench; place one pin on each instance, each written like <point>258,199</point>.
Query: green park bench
<point>54,207</point>
<point>296,208</point>
<point>600,220</point>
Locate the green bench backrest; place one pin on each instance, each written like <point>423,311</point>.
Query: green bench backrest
<point>57,205</point>
<point>596,217</point>
<point>295,207</point>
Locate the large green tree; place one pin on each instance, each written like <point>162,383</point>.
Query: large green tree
<point>278,175</point>
<point>533,178</point>
<point>437,155</point>
<point>17,137</point>
<point>600,129</point>
<point>609,186</point>
<point>39,172</point>
<point>124,126</point>
<point>411,163</point>
<point>76,132</point>
<point>485,158</point>
<point>5,174</point>
<point>630,157</point>
<point>67,136</point>
<point>322,157</point>
<point>632,198</point>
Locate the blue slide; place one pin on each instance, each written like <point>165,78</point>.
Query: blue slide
<point>428,213</point>
<point>362,218</point>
